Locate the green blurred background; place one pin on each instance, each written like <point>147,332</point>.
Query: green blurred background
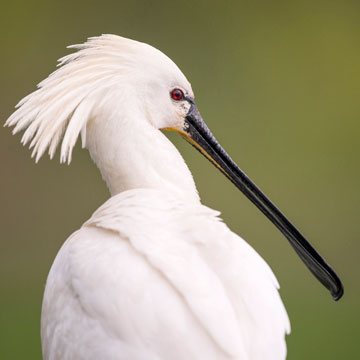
<point>278,84</point>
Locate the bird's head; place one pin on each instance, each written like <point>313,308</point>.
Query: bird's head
<point>112,75</point>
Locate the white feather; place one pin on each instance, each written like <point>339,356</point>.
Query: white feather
<point>50,110</point>
<point>180,286</point>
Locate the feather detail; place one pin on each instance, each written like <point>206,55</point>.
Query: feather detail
<point>61,105</point>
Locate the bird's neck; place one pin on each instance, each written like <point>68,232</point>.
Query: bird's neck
<point>132,154</point>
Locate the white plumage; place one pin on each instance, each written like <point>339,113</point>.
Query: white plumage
<point>152,277</point>
<point>153,274</point>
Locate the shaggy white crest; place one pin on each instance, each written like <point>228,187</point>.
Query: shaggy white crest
<point>64,102</point>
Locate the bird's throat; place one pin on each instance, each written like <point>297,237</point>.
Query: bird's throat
<point>132,154</point>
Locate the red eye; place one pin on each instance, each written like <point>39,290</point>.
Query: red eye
<point>177,94</point>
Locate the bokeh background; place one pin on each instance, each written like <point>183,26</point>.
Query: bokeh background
<point>278,84</point>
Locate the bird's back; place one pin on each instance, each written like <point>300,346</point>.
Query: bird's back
<point>150,276</point>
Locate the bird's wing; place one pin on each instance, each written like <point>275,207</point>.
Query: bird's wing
<point>168,279</point>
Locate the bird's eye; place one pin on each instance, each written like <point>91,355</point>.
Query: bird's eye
<point>177,94</point>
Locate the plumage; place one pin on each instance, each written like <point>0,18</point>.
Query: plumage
<point>175,293</point>
<point>153,274</point>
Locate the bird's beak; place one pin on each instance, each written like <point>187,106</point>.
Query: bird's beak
<point>198,134</point>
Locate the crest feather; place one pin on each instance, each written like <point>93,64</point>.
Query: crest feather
<point>60,105</point>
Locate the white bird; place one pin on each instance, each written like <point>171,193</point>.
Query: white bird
<point>153,274</point>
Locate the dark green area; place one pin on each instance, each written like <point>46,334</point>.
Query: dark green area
<point>278,82</point>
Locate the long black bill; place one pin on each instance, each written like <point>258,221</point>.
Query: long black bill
<point>198,134</point>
